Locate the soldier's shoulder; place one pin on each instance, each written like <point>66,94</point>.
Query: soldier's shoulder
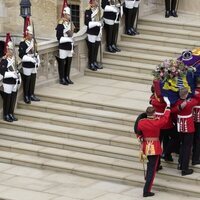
<point>60,21</point>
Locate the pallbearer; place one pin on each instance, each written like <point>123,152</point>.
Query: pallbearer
<point>64,34</point>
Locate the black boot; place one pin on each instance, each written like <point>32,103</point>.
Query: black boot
<point>91,49</point>
<point>61,70</point>
<point>167,8</point>
<point>6,107</point>
<point>128,16</point>
<point>173,8</point>
<point>67,70</point>
<point>26,86</point>
<point>12,106</point>
<point>96,48</point>
<point>114,38</point>
<point>109,36</point>
<point>133,18</point>
<point>32,88</point>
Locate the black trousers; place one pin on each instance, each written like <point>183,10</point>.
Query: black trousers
<point>171,140</point>
<point>196,143</point>
<point>151,171</point>
<point>185,149</point>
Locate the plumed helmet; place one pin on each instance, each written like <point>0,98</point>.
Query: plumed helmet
<point>28,29</point>
<point>66,11</point>
<point>8,43</point>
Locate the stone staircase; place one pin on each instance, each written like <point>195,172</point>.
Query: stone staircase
<point>159,39</point>
<point>87,129</point>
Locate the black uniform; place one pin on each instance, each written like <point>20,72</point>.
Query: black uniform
<point>111,23</point>
<point>64,37</point>
<point>30,62</point>
<point>94,33</point>
<point>131,9</point>
<point>11,81</point>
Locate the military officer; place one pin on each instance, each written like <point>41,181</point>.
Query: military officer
<point>148,132</point>
<point>170,10</point>
<point>111,18</point>
<point>94,33</point>
<point>30,62</point>
<point>64,34</point>
<point>130,10</point>
<point>11,80</point>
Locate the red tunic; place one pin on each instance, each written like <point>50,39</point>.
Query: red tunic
<point>196,111</point>
<point>185,122</point>
<point>150,129</point>
<point>159,107</point>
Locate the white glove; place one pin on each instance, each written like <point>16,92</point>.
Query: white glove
<point>93,24</point>
<point>167,101</point>
<point>10,75</point>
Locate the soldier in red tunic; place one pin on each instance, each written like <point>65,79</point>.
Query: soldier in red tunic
<point>149,133</point>
<point>196,142</point>
<point>185,126</point>
<point>167,133</point>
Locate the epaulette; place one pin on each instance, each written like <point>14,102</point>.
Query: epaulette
<point>88,8</point>
<point>60,21</point>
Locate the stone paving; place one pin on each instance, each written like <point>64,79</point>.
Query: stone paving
<point>24,183</point>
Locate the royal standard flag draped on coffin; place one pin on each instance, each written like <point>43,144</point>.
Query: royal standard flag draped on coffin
<point>173,74</point>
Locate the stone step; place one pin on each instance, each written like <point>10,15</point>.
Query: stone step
<point>80,112</point>
<point>72,133</point>
<point>90,160</point>
<point>108,103</point>
<point>74,122</point>
<point>121,75</point>
<point>162,41</point>
<point>129,46</point>
<point>128,178</point>
<point>70,144</point>
<point>169,23</point>
<point>128,66</point>
<point>168,32</point>
<point>136,57</point>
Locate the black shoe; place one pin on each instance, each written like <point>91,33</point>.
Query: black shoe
<point>13,117</point>
<point>98,66</point>
<point>116,48</point>
<point>110,49</point>
<point>27,100</point>
<point>92,67</point>
<point>148,194</point>
<point>69,81</point>
<point>173,13</point>
<point>167,14</point>
<point>187,172</point>
<point>197,162</point>
<point>135,32</point>
<point>7,118</point>
<point>63,82</point>
<point>129,32</point>
<point>34,98</point>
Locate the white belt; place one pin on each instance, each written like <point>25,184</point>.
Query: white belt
<point>158,113</point>
<point>196,107</point>
<point>184,116</point>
